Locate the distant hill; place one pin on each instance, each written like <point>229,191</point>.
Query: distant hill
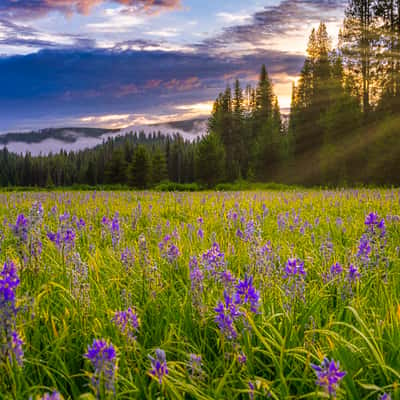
<point>53,140</point>
<point>68,135</point>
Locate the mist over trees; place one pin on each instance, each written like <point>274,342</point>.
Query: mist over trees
<point>343,128</point>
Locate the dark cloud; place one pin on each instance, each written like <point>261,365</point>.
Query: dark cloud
<point>28,9</point>
<point>76,79</point>
<point>76,83</point>
<point>12,34</point>
<point>287,17</point>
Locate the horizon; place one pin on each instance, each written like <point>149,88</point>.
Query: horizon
<point>115,64</point>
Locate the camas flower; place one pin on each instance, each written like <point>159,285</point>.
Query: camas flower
<point>11,343</point>
<point>80,224</point>
<point>242,359</point>
<point>8,282</point>
<point>195,365</point>
<point>127,258</point>
<point>21,228</point>
<point>294,269</point>
<point>328,375</point>
<point>227,312</point>
<point>372,221</point>
<point>103,357</point>
<point>364,249</point>
<point>159,366</point>
<point>251,390</point>
<point>127,322</point>
<point>115,230</point>
<point>353,274</point>
<point>196,276</point>
<point>213,260</point>
<point>16,350</point>
<point>246,293</point>
<point>168,249</point>
<point>52,396</point>
<point>336,269</point>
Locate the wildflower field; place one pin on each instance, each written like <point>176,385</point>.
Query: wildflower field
<point>249,295</point>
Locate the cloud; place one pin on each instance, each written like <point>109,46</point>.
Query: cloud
<point>74,77</point>
<point>18,35</point>
<point>288,18</point>
<point>29,9</point>
<point>73,83</point>
<point>232,18</point>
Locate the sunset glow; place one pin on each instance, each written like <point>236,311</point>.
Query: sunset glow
<point>106,62</point>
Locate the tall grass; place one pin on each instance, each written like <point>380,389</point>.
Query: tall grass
<point>59,316</point>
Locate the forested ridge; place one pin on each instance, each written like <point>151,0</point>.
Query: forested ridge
<point>344,124</point>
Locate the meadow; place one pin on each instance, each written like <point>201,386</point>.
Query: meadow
<point>211,295</point>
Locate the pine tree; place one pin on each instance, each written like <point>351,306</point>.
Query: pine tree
<point>388,12</point>
<point>115,169</point>
<point>264,97</point>
<point>210,160</point>
<point>358,42</point>
<point>159,167</point>
<point>140,168</point>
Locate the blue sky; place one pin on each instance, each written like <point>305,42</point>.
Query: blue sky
<point>115,63</point>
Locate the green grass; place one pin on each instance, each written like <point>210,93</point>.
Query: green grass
<point>360,330</point>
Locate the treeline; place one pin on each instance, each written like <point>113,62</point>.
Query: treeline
<point>345,112</point>
<point>137,160</point>
<point>344,123</point>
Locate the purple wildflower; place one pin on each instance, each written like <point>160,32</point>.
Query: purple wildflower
<point>227,278</point>
<point>37,211</point>
<point>227,312</point>
<point>195,365</point>
<point>294,269</point>
<point>294,274</point>
<point>103,357</point>
<point>328,375</point>
<point>159,365</point>
<point>69,238</point>
<point>327,248</point>
<point>213,260</point>
<point>242,359</point>
<point>251,390</point>
<point>196,277</point>
<point>353,274</point>
<point>127,258</point>
<point>239,234</point>
<point>55,238</point>
<point>364,249</point>
<point>80,224</point>
<point>52,396</point>
<point>11,343</point>
<point>168,249</point>
<point>246,293</point>
<point>115,230</point>
<point>21,228</point>
<point>8,282</point>
<point>385,396</point>
<point>372,221</point>
<point>127,322</point>
<point>16,350</point>
<point>336,269</point>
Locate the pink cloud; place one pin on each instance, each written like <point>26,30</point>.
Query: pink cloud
<point>27,9</point>
<point>182,85</point>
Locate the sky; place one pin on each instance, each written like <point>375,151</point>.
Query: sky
<point>116,63</point>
